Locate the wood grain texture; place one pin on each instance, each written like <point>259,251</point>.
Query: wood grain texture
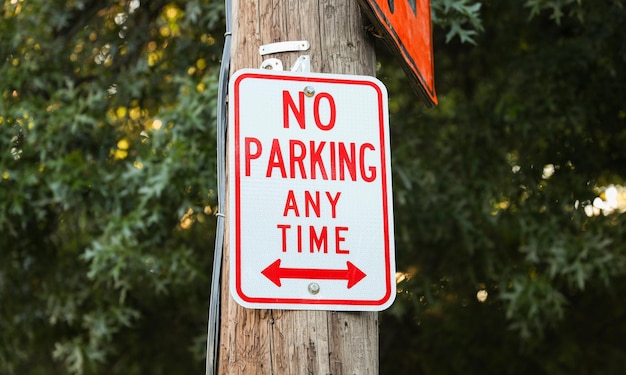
<point>287,341</point>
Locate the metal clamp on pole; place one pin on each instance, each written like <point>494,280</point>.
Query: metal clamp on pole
<point>302,64</point>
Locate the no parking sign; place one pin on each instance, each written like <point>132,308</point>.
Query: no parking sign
<point>310,200</point>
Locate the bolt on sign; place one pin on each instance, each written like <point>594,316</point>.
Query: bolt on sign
<point>405,27</point>
<point>310,200</point>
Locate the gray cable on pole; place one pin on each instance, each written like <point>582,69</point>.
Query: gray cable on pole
<point>214,302</point>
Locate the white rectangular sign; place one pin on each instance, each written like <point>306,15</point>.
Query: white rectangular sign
<point>311,214</point>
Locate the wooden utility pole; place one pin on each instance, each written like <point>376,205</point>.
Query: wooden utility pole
<point>287,341</point>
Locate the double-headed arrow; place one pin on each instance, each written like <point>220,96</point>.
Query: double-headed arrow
<point>274,272</point>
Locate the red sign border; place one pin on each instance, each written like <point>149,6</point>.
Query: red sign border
<point>381,119</point>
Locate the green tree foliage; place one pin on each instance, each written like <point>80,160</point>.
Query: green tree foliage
<point>502,192</point>
<point>512,258</point>
<point>106,176</point>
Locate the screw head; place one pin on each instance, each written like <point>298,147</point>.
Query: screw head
<point>314,288</point>
<point>309,91</point>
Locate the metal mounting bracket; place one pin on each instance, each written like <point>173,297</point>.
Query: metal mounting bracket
<point>272,64</point>
<point>302,64</point>
<point>298,45</point>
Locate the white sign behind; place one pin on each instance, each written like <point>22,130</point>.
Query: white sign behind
<point>311,214</point>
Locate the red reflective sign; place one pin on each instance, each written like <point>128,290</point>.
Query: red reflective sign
<point>406,29</point>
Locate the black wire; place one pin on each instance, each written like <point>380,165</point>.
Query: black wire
<point>214,302</point>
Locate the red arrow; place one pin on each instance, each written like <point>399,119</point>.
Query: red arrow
<point>274,272</point>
